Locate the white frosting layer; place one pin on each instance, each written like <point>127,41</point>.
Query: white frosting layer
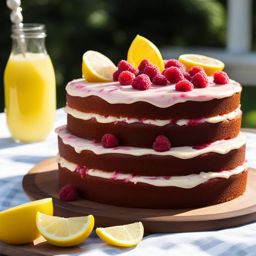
<point>160,96</point>
<point>187,181</point>
<point>79,144</point>
<point>112,119</point>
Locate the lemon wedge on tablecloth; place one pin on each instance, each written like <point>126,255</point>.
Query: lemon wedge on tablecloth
<point>209,64</point>
<point>141,48</point>
<point>123,236</point>
<point>64,231</point>
<point>18,224</point>
<point>96,67</point>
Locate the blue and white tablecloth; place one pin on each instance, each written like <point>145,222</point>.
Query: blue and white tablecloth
<point>17,159</point>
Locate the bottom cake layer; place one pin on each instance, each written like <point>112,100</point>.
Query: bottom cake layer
<point>141,195</point>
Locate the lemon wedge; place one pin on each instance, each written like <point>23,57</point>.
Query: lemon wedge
<point>209,64</point>
<point>123,236</point>
<point>18,224</point>
<point>64,231</point>
<point>141,48</point>
<point>96,67</point>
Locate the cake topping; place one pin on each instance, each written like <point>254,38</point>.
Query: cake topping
<point>173,75</point>
<point>151,71</point>
<point>200,80</point>
<point>126,78</point>
<point>174,63</point>
<point>144,63</point>
<point>123,65</point>
<point>116,75</point>
<point>68,193</point>
<point>160,80</point>
<point>194,70</point>
<point>141,82</point>
<point>161,144</point>
<point>109,141</point>
<point>220,77</point>
<point>184,86</point>
<point>187,76</point>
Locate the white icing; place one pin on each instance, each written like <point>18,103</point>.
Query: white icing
<point>160,96</point>
<point>79,144</point>
<point>187,181</point>
<point>158,122</point>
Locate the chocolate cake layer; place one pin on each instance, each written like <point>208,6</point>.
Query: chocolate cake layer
<point>141,195</point>
<point>154,165</point>
<point>143,135</point>
<point>188,109</point>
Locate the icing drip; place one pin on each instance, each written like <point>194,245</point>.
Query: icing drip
<point>159,96</point>
<point>186,182</point>
<point>79,144</point>
<point>112,119</point>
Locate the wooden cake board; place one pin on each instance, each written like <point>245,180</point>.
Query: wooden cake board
<point>42,182</point>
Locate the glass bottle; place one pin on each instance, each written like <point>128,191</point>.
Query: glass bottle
<point>29,83</point>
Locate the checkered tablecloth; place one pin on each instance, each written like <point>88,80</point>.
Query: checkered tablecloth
<point>17,159</point>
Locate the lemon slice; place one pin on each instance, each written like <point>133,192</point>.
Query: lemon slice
<point>209,64</point>
<point>141,48</point>
<point>123,236</point>
<point>96,67</point>
<point>18,224</point>
<point>64,231</point>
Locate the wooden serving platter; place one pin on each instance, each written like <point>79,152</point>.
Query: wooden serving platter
<point>42,181</point>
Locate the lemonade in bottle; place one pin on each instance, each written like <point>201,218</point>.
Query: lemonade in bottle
<point>29,83</point>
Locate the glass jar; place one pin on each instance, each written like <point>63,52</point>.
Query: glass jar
<point>29,83</point>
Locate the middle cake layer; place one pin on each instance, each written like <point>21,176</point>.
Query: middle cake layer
<point>215,157</point>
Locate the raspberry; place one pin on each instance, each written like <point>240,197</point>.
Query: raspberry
<point>141,82</point>
<point>123,65</point>
<point>173,74</point>
<point>187,76</point>
<point>184,86</point>
<point>151,71</point>
<point>109,140</point>
<point>82,170</point>
<point>195,70</point>
<point>161,143</point>
<point>116,75</point>
<point>174,63</point>
<point>220,77</point>
<point>160,80</point>
<point>126,78</point>
<point>68,193</point>
<point>143,64</point>
<point>200,80</point>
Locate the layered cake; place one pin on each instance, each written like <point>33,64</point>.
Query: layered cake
<point>168,142</point>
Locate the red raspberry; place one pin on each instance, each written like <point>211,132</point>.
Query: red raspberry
<point>174,63</point>
<point>160,80</point>
<point>143,64</point>
<point>151,71</point>
<point>220,77</point>
<point>173,74</point>
<point>187,76</point>
<point>161,143</point>
<point>141,82</point>
<point>116,75</point>
<point>195,70</point>
<point>126,78</point>
<point>200,80</point>
<point>82,170</point>
<point>123,65</point>
<point>184,86</point>
<point>68,193</point>
<point>109,140</point>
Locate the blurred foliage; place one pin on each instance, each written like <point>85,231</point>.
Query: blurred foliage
<point>109,27</point>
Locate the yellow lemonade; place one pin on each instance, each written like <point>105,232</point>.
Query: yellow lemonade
<point>30,96</point>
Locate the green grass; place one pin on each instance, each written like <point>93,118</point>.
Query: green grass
<point>248,101</point>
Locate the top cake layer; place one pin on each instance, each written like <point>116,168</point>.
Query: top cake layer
<point>159,102</point>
